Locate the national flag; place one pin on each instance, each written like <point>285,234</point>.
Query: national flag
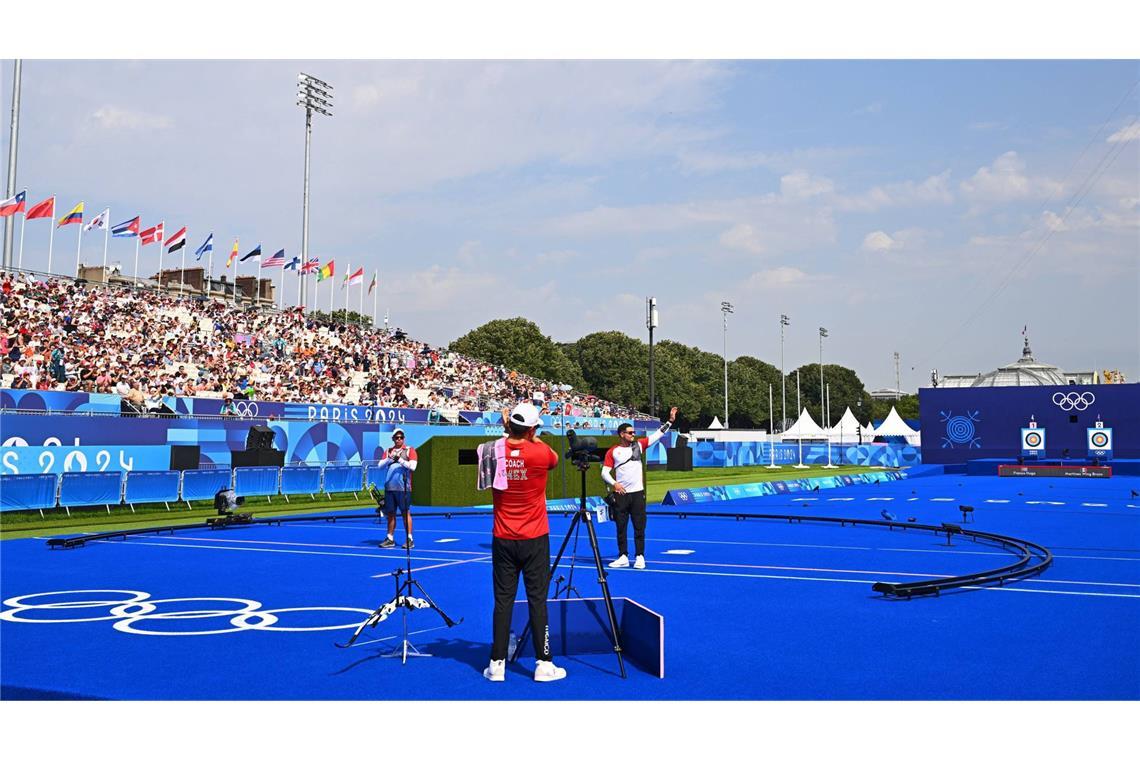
<point>326,271</point>
<point>13,205</point>
<point>75,216</point>
<point>152,235</point>
<point>356,277</point>
<point>310,266</point>
<point>207,247</point>
<point>276,260</point>
<point>129,228</point>
<point>294,263</point>
<point>101,221</point>
<point>252,254</point>
<point>42,210</point>
<point>233,254</point>
<point>373,284</point>
<point>176,241</point>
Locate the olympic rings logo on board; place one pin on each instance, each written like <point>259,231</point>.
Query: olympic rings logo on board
<point>1073,401</point>
<point>135,612</point>
<point>246,408</point>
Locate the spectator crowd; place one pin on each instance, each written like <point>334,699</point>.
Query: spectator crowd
<point>144,344</point>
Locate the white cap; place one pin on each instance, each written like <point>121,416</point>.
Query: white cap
<point>526,415</point>
<point>400,431</point>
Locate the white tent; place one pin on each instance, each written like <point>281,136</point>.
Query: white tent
<point>804,429</point>
<point>894,425</point>
<point>715,424</point>
<point>868,433</point>
<point>846,430</point>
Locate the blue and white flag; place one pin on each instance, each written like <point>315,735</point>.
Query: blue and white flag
<point>206,247</point>
<point>295,263</point>
<point>129,228</point>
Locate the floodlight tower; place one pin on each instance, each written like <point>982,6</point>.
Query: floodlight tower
<point>725,309</point>
<point>784,322</point>
<point>13,135</point>
<point>312,95</point>
<point>826,418</point>
<point>651,323</point>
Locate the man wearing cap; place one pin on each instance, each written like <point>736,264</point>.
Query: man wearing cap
<point>397,467</point>
<point>520,539</point>
<point>621,469</point>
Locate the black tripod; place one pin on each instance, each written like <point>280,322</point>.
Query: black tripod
<point>583,516</point>
<point>403,600</point>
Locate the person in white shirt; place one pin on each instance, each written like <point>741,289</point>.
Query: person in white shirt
<point>622,471</point>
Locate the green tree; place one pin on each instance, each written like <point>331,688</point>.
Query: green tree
<point>846,390</point>
<point>615,366</point>
<point>748,381</point>
<point>518,344</point>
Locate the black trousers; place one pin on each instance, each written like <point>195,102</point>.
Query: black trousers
<point>627,505</point>
<point>531,557</point>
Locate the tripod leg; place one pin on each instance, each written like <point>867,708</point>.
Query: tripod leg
<point>604,583</point>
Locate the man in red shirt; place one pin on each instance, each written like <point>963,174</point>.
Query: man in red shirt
<point>521,542</point>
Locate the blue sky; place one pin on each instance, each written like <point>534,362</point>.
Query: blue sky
<point>889,201</point>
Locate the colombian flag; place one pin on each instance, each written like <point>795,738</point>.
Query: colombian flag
<point>325,272</point>
<point>75,216</point>
<point>233,254</point>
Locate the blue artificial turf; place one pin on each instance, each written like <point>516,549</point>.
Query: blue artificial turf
<point>753,609</point>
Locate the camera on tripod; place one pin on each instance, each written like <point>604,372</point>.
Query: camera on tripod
<point>583,449</point>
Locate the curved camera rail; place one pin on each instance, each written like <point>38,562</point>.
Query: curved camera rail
<point>1032,559</point>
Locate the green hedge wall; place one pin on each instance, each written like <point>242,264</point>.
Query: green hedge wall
<point>440,481</point>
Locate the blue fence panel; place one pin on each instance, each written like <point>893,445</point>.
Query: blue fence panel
<point>79,489</point>
<point>27,491</point>
<point>255,481</point>
<point>153,486</point>
<point>301,480</point>
<point>339,478</point>
<point>203,484</point>
<point>374,476</point>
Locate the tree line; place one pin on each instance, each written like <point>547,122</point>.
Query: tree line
<point>615,367</point>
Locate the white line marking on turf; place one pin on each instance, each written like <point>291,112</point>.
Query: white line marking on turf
<point>442,564</point>
<point>1092,504</point>
<point>446,540</point>
<point>942,498</point>
<point>881,498</point>
<point>841,498</point>
<point>913,498</point>
<point>370,555</point>
<point>294,543</point>
<point>997,501</point>
<point>805,498</point>
<point>678,551</point>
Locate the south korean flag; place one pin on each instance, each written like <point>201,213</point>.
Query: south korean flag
<point>1033,442</point>
<point>1100,442</point>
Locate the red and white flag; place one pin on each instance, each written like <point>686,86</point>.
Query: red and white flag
<point>356,277</point>
<point>176,241</point>
<point>152,235</point>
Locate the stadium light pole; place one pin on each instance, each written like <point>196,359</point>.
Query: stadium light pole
<point>898,382</point>
<point>13,139</point>
<point>651,323</point>
<point>312,95</point>
<point>826,418</point>
<point>784,322</point>
<point>725,310</point>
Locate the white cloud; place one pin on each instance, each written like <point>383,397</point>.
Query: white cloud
<point>774,279</point>
<point>743,236</point>
<point>556,258</point>
<point>800,185</point>
<point>115,118</point>
<point>1005,180</point>
<point>932,190</point>
<point>1127,134</point>
<point>879,241</point>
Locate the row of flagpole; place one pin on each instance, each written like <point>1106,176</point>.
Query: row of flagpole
<point>132,228</point>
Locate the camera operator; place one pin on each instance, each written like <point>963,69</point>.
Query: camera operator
<point>397,467</point>
<point>521,539</point>
<point>622,471</point>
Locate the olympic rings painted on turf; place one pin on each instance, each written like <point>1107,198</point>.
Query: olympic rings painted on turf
<point>17,604</point>
<point>1073,401</point>
<point>1099,440</point>
<point>131,612</point>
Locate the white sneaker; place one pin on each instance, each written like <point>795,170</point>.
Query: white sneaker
<point>622,561</point>
<point>639,563</point>
<point>497,671</point>
<point>545,670</point>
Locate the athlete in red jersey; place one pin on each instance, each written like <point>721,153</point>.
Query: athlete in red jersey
<point>520,542</point>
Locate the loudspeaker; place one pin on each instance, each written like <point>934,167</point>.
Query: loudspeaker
<point>679,459</point>
<point>468,456</point>
<point>257,458</point>
<point>259,437</point>
<point>185,457</point>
